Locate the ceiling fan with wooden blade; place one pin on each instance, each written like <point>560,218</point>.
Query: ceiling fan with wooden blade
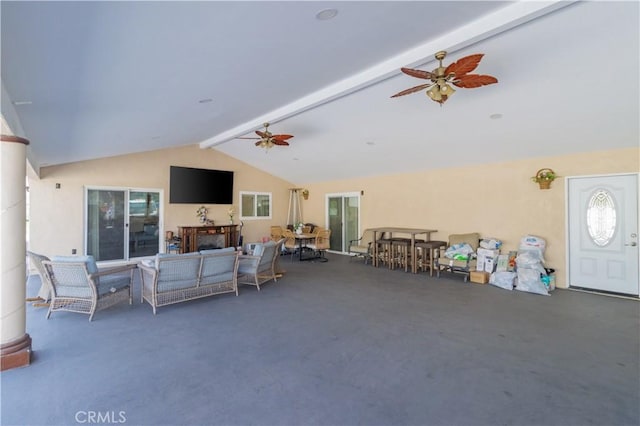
<point>267,139</point>
<point>456,73</point>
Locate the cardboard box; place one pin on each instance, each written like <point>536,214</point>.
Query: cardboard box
<point>479,277</point>
<point>484,256</point>
<point>489,264</point>
<point>485,263</point>
<point>488,253</point>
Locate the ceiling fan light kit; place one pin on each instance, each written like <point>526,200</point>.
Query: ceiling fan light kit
<point>440,90</point>
<point>268,140</point>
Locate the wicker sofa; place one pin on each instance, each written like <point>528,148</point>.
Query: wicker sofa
<point>174,278</point>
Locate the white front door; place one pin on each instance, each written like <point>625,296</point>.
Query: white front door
<point>603,233</point>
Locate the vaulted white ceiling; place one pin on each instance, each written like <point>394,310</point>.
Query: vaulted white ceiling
<point>84,80</point>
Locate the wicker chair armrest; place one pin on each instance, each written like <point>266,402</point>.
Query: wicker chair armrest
<point>248,257</point>
<point>353,241</point>
<point>147,268</point>
<point>148,271</point>
<point>114,270</point>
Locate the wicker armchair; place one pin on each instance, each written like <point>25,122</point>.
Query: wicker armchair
<point>78,286</point>
<point>260,267</point>
<point>44,294</point>
<point>362,247</point>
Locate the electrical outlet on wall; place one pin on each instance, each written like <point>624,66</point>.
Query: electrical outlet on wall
<point>73,251</point>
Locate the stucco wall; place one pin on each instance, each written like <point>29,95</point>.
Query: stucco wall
<point>56,219</point>
<point>498,200</point>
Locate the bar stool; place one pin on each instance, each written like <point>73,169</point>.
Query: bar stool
<point>384,251</point>
<point>427,257</point>
<point>400,248</point>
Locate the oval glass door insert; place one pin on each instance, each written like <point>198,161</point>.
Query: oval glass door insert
<point>601,217</point>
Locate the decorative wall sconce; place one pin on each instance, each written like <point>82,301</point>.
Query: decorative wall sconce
<point>305,194</point>
<point>544,177</point>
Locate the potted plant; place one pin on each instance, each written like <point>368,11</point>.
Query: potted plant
<point>544,177</point>
<point>298,227</point>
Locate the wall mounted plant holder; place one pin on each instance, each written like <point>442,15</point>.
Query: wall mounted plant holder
<point>544,177</point>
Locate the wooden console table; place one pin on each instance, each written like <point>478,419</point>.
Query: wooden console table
<point>194,237</point>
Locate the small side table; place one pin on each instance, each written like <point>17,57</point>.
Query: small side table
<point>172,245</point>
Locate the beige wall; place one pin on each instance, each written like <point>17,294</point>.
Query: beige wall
<point>498,200</point>
<point>57,214</point>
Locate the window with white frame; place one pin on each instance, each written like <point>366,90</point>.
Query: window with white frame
<point>255,205</point>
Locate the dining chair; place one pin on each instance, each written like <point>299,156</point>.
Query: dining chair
<point>289,242</point>
<point>276,233</point>
<point>320,244</point>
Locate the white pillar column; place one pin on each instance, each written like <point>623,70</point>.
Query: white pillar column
<point>15,343</point>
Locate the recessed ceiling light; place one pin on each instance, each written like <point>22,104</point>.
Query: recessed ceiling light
<point>370,143</point>
<point>155,137</point>
<point>326,14</point>
<point>295,159</point>
<point>205,101</point>
<point>495,116</point>
<point>21,103</point>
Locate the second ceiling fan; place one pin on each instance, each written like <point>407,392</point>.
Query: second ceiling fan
<point>267,139</point>
<point>456,73</point>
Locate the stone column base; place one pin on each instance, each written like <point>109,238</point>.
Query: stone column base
<point>16,353</point>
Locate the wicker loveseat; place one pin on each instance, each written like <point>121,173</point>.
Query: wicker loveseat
<point>173,278</point>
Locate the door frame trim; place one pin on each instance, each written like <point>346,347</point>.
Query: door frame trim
<point>566,219</point>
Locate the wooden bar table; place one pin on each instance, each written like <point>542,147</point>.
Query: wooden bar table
<point>396,230</point>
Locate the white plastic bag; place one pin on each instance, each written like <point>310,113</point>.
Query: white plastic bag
<point>531,241</point>
<point>530,259</point>
<point>529,281</point>
<point>490,243</point>
<point>459,251</point>
<point>503,279</point>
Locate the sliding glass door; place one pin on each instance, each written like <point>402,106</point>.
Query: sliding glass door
<point>144,224</point>
<point>343,219</point>
<point>122,223</point>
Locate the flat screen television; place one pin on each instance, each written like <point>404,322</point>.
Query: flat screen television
<point>188,185</point>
